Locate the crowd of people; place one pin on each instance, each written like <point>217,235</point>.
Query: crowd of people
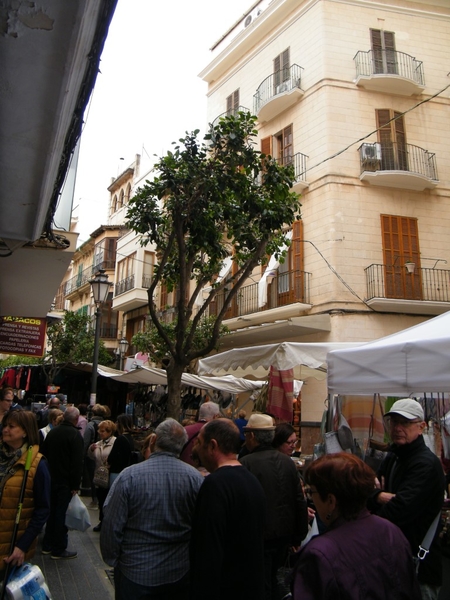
<point>217,509</point>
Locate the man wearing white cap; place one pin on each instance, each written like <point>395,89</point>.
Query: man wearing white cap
<point>287,520</point>
<point>412,488</point>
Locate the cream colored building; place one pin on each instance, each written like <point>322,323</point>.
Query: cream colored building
<point>355,93</point>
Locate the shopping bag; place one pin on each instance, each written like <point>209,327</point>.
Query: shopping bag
<point>27,583</point>
<point>77,515</point>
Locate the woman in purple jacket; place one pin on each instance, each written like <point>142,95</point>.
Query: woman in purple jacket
<point>360,555</point>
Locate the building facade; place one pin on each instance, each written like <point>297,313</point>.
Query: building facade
<point>355,94</point>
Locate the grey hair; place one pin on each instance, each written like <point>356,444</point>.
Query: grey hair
<point>208,410</point>
<point>71,414</point>
<point>264,438</point>
<point>171,436</point>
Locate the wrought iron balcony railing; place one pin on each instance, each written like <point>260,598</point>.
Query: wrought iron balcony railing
<point>81,279</point>
<point>394,156</point>
<point>389,62</point>
<point>108,332</point>
<point>276,84</point>
<point>395,281</point>
<point>233,112</point>
<point>299,162</point>
<point>125,285</point>
<point>286,288</point>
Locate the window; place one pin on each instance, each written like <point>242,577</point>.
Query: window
<point>233,103</point>
<point>281,69</point>
<point>105,254</point>
<point>284,150</point>
<point>400,238</point>
<point>121,203</point>
<point>128,194</point>
<point>266,145</point>
<point>149,259</point>
<point>125,268</point>
<point>392,137</point>
<point>114,205</point>
<point>383,50</point>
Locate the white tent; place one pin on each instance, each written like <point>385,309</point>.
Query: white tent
<point>153,376</point>
<point>257,360</point>
<point>411,361</point>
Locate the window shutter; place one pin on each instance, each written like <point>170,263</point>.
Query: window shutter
<point>400,238</point>
<point>236,100</point>
<point>298,261</point>
<point>266,145</point>
<point>285,64</point>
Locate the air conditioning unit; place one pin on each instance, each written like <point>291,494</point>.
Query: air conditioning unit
<point>370,152</point>
<point>283,87</point>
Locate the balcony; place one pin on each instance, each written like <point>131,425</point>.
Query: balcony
<point>82,279</point>
<point>233,112</point>
<point>278,92</point>
<point>299,162</point>
<point>403,166</point>
<point>108,332</point>
<point>291,287</point>
<point>390,72</point>
<point>128,294</point>
<point>423,291</point>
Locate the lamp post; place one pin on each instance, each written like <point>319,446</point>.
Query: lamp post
<point>123,347</point>
<point>100,287</point>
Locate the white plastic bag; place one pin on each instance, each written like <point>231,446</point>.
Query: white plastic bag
<point>77,515</point>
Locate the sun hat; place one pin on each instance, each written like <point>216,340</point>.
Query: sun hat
<point>259,421</point>
<point>408,408</point>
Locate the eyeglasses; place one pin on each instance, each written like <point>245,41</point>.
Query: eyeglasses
<point>309,492</point>
<point>394,421</point>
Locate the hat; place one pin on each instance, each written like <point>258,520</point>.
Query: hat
<point>408,408</point>
<point>259,421</point>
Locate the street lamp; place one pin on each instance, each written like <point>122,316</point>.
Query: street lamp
<point>123,347</point>
<point>100,289</point>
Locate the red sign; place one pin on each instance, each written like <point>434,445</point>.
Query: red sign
<point>22,335</point>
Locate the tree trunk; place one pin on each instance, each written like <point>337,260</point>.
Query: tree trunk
<point>174,373</point>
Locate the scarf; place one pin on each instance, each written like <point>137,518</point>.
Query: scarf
<point>8,458</point>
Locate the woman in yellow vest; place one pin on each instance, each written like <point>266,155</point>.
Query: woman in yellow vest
<point>20,431</point>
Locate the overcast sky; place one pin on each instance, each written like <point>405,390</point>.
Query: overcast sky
<point>147,93</point>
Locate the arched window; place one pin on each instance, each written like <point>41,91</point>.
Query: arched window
<point>121,199</point>
<point>114,205</point>
<point>128,194</point>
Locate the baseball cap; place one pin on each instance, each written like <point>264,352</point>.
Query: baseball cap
<point>407,408</point>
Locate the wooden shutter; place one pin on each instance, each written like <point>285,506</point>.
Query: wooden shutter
<point>281,67</point>
<point>383,51</point>
<point>233,102</point>
<point>297,261</point>
<point>400,239</point>
<point>266,145</point>
<point>287,151</point>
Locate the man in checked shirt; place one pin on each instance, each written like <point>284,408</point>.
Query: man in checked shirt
<point>147,521</point>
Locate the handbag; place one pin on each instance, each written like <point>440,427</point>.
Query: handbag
<point>376,451</point>
<point>77,515</point>
<point>101,476</point>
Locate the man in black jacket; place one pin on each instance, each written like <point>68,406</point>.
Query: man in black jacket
<point>287,518</point>
<point>63,448</point>
<point>412,485</point>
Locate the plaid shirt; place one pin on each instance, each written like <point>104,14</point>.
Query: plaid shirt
<point>147,520</point>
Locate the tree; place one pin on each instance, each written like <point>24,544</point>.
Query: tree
<point>209,200</point>
<point>71,340</point>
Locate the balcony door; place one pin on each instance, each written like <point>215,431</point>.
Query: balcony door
<point>289,284</point>
<point>383,50</point>
<point>281,70</point>
<point>284,146</point>
<point>400,245</point>
<point>392,137</point>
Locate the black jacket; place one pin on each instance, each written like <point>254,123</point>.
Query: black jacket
<point>63,448</point>
<point>286,506</point>
<point>415,475</point>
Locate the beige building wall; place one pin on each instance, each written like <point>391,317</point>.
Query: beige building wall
<point>341,213</point>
